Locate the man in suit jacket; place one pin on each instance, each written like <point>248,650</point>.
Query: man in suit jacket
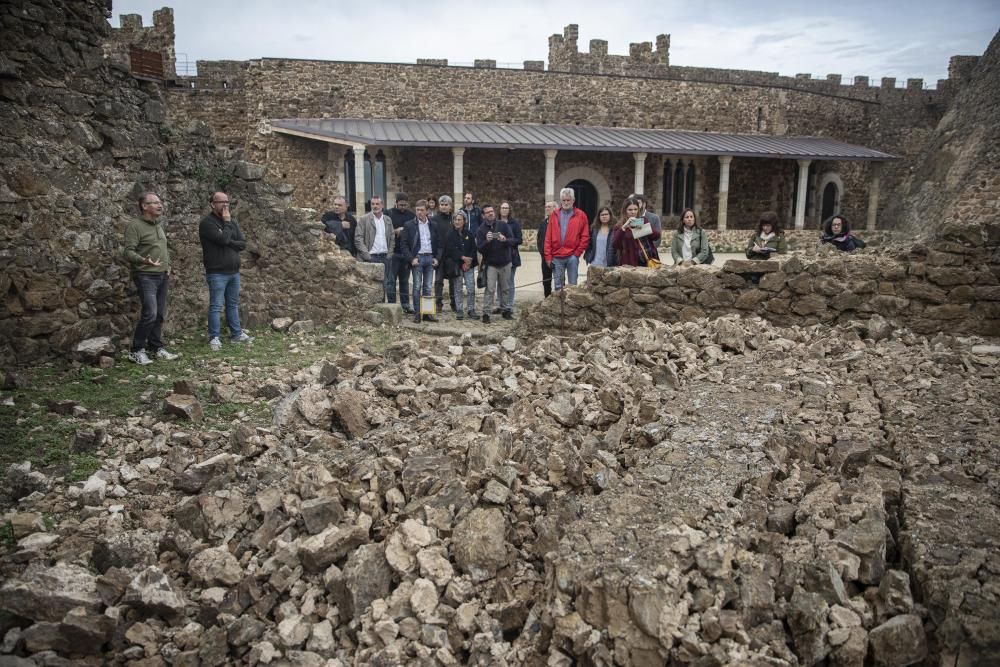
<point>422,249</point>
<point>374,240</point>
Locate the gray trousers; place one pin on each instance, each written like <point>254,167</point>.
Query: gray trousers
<point>496,278</point>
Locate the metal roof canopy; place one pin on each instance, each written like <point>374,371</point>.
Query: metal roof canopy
<point>449,134</point>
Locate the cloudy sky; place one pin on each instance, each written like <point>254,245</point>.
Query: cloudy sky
<point>848,37</point>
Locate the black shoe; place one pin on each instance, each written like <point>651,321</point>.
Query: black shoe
<point>416,318</point>
<point>486,318</point>
<point>430,318</point>
<point>440,306</point>
<point>472,315</point>
<point>496,311</point>
<point>507,315</point>
<point>459,316</point>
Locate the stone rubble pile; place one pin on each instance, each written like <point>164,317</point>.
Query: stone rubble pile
<point>712,492</point>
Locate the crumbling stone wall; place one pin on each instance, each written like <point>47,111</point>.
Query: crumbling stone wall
<point>951,284</point>
<point>80,140</point>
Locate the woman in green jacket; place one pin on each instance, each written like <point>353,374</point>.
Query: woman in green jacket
<point>690,243</point>
<point>768,239</point>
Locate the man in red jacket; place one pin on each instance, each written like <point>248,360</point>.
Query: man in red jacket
<point>566,239</point>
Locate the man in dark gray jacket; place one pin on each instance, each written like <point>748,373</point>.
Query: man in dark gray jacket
<point>221,245</point>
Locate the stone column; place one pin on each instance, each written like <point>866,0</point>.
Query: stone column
<point>876,172</point>
<point>359,181</point>
<point>724,161</point>
<point>550,174</point>
<point>458,186</point>
<point>640,172</point>
<point>800,200</point>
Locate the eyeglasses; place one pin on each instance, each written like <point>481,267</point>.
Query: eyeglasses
<point>230,204</point>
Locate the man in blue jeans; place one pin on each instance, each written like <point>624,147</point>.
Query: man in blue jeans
<point>422,248</point>
<point>221,244</point>
<point>147,254</point>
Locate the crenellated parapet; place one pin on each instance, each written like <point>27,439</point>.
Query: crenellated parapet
<point>158,38</point>
<point>645,60</point>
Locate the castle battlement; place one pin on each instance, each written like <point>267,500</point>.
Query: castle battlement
<point>645,61</point>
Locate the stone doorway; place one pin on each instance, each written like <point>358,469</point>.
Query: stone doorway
<point>586,196</point>
<point>830,202</point>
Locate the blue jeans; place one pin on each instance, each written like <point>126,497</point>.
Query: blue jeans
<point>468,278</point>
<point>423,279</point>
<point>399,270</point>
<point>510,290</point>
<point>563,268</point>
<point>223,288</point>
<point>153,297</point>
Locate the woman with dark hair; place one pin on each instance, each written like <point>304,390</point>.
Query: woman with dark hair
<point>632,250</point>
<point>768,239</point>
<point>690,243</point>
<point>600,252</point>
<point>517,236</point>
<point>837,232</point>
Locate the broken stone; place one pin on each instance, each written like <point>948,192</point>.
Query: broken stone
<point>215,566</point>
<point>187,407</point>
<point>478,544</point>
<point>151,592</point>
<point>45,593</point>
<point>898,642</point>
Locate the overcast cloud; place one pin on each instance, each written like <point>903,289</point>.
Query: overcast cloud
<point>848,37</point>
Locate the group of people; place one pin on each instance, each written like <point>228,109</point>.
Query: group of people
<point>146,251</point>
<point>487,238</point>
<point>473,246</point>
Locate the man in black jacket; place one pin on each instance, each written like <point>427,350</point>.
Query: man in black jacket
<point>400,214</point>
<point>540,242</point>
<point>341,224</point>
<point>221,244</point>
<point>442,220</point>
<point>495,240</point>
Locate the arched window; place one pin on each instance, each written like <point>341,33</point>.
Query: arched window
<point>678,186</point>
<point>678,198</point>
<point>350,185</point>
<point>668,188</point>
<point>689,188</point>
<point>378,176</point>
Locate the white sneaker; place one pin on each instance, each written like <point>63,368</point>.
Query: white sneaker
<point>140,357</point>
<point>215,344</point>
<point>162,353</point>
<point>243,338</point>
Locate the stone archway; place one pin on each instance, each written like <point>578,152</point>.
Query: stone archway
<point>830,191</point>
<point>586,196</point>
<point>566,176</point>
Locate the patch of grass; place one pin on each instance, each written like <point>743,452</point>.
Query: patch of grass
<point>7,536</point>
<point>29,431</point>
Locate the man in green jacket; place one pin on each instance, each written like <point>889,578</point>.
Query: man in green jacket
<point>147,254</point>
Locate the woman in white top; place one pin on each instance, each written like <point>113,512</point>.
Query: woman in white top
<point>690,243</point>
<point>600,252</point>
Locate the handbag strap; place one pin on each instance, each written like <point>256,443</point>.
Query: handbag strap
<point>642,247</point>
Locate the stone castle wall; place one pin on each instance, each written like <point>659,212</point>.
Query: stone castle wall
<point>287,88</point>
<point>949,285</point>
<point>639,90</point>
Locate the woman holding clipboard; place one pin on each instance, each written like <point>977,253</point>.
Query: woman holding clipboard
<point>635,239</point>
<point>768,239</point>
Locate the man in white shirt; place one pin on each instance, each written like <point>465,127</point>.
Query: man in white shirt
<point>374,240</point>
